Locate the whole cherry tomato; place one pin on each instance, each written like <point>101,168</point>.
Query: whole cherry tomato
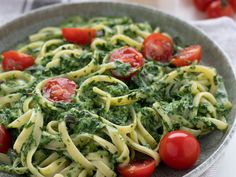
<point>158,47</point>
<point>233,4</point>
<point>219,9</point>
<point>202,5</point>
<point>179,150</point>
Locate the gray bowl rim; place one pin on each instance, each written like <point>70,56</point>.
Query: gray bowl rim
<point>199,170</point>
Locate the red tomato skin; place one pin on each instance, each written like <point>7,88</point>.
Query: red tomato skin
<point>216,10</point>
<point>13,60</point>
<point>187,56</point>
<point>138,169</point>
<point>157,47</point>
<point>5,139</point>
<point>179,150</point>
<point>130,56</point>
<point>202,5</point>
<point>233,4</point>
<point>83,36</point>
<point>59,90</point>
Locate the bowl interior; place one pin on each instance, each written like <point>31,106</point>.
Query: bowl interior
<point>212,144</point>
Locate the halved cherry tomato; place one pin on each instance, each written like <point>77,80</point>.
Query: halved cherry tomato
<point>5,139</point>
<point>13,60</point>
<point>129,56</point>
<point>217,9</point>
<point>158,47</point>
<point>179,150</point>
<point>83,36</point>
<point>233,4</point>
<point>59,90</point>
<point>202,5</point>
<point>187,56</point>
<point>138,169</point>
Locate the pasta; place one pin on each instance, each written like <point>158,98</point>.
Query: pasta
<point>108,120</point>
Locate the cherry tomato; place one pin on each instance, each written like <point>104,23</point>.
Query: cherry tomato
<point>202,5</point>
<point>5,139</point>
<point>187,56</point>
<point>233,4</point>
<point>83,36</point>
<point>129,56</point>
<point>179,150</point>
<point>217,9</point>
<point>59,90</point>
<point>138,169</point>
<point>13,60</point>
<point>158,47</point>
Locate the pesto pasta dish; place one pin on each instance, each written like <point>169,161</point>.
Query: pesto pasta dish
<point>105,97</point>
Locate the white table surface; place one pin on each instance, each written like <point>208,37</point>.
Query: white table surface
<point>183,9</point>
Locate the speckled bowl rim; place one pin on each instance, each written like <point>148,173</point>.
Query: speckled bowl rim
<point>218,152</point>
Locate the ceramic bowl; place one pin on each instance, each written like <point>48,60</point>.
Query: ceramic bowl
<point>213,144</point>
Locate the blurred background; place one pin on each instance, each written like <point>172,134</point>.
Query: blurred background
<point>185,9</point>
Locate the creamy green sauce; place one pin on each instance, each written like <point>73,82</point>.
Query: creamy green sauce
<point>147,81</point>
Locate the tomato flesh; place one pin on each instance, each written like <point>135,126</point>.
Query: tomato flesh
<point>216,9</point>
<point>129,56</point>
<point>5,139</point>
<point>202,5</point>
<point>138,169</point>
<point>187,56</point>
<point>59,90</point>
<point>83,36</point>
<point>179,150</point>
<point>157,47</point>
<point>13,60</point>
